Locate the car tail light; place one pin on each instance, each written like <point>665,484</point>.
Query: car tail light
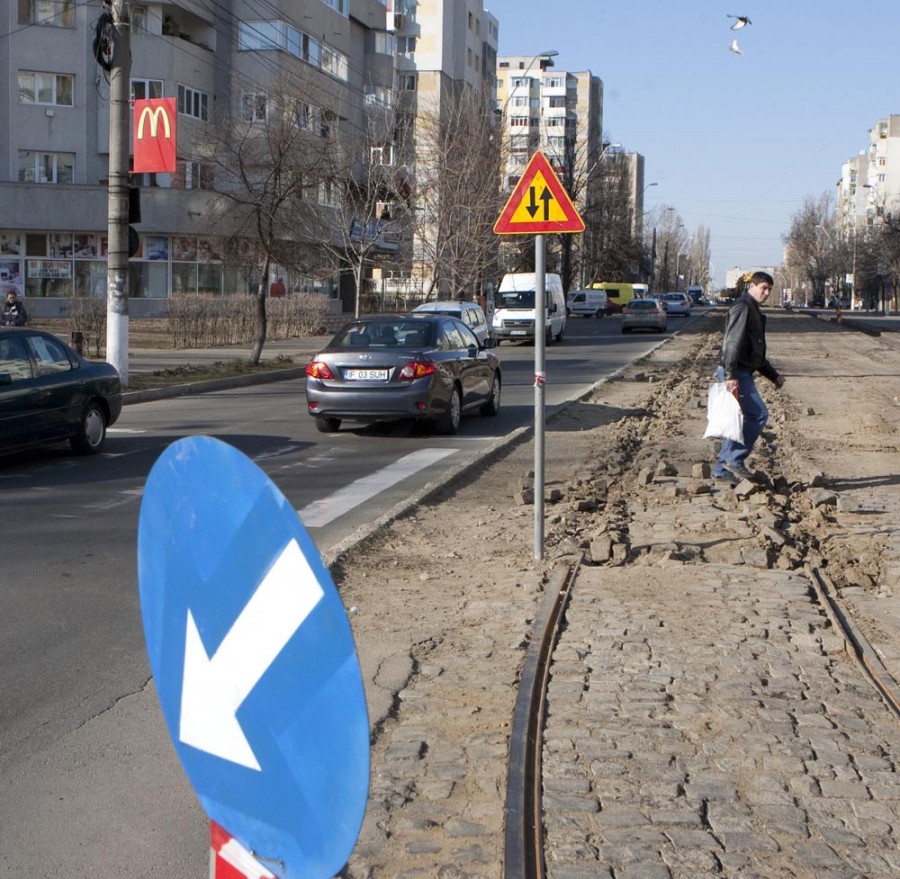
<point>318,369</point>
<point>416,369</point>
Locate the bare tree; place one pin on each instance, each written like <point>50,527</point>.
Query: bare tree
<point>612,249</point>
<point>698,258</point>
<point>457,161</point>
<point>265,153</point>
<point>365,191</point>
<point>670,244</point>
<point>812,247</point>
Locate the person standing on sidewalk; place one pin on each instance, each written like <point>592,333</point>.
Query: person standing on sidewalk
<point>743,354</point>
<point>14,314</point>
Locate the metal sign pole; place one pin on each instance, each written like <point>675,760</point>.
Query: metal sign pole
<point>540,322</point>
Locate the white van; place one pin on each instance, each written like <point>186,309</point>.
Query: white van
<point>513,316</point>
<point>586,303</point>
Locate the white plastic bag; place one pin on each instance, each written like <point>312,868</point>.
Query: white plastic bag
<point>723,414</point>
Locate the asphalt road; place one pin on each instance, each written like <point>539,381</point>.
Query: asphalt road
<point>92,786</point>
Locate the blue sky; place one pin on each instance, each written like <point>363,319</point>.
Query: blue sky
<point>734,142</point>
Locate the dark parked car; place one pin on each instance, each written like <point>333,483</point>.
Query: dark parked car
<point>48,393</point>
<point>430,369</point>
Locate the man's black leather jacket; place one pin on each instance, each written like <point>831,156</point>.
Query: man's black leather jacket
<point>744,345</point>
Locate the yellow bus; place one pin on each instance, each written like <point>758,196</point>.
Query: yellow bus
<point>619,294</point>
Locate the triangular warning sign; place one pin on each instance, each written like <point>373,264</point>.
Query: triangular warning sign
<point>539,204</point>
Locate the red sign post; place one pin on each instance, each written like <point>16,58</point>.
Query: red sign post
<point>154,135</point>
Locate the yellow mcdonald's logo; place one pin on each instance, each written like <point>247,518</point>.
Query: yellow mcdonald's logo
<point>154,114</point>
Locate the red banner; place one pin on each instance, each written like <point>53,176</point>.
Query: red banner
<point>153,135</point>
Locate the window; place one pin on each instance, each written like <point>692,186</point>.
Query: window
<point>406,46</point>
<point>37,167</point>
<point>139,20</point>
<point>382,155</point>
<point>260,35</point>
<point>328,193</point>
<point>521,82</point>
<point>378,96</point>
<point>334,62</point>
<point>50,356</point>
<point>407,82</point>
<point>193,103</point>
<point>52,13</point>
<point>51,89</point>
<point>192,175</point>
<point>384,43</point>
<point>555,82</point>
<point>14,360</point>
<point>337,5</point>
<point>518,122</point>
<point>557,101</point>
<point>306,115</point>
<point>254,107</point>
<point>145,89</point>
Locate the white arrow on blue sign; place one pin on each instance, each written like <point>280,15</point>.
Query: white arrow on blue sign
<point>253,659</point>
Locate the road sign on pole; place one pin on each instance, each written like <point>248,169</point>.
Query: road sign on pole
<point>539,204</point>
<point>254,664</point>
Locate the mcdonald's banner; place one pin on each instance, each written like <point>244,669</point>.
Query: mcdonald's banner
<point>154,135</point>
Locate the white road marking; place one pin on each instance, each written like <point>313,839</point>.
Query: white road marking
<point>111,430</point>
<point>325,510</point>
<point>117,500</point>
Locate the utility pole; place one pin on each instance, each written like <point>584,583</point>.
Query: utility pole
<point>119,179</point>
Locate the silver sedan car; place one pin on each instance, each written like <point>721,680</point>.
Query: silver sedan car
<point>644,314</point>
<point>429,369</point>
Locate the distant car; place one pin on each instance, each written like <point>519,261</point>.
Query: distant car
<point>677,303</point>
<point>644,314</point>
<point>470,313</point>
<point>427,368</point>
<point>48,393</point>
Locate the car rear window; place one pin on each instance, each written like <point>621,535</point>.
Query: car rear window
<point>385,334</point>
<point>642,305</point>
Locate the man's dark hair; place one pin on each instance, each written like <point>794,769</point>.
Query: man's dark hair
<point>761,278</point>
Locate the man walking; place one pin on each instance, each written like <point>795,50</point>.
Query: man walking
<point>743,354</point>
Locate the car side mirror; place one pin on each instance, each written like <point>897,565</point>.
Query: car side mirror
<point>489,342</point>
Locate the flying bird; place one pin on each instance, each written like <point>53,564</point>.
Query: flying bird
<point>735,48</point>
<point>740,21</point>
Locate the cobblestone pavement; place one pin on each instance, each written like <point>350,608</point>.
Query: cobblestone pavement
<point>714,731</point>
<point>705,717</point>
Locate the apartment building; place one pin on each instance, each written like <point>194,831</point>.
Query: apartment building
<point>446,63</point>
<point>554,111</point>
<point>209,57</point>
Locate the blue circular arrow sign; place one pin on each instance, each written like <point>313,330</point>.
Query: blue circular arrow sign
<point>253,659</point>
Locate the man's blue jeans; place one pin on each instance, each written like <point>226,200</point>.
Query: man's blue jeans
<point>755,417</point>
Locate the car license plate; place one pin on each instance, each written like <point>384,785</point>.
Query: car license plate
<point>366,375</point>
<point>517,332</point>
